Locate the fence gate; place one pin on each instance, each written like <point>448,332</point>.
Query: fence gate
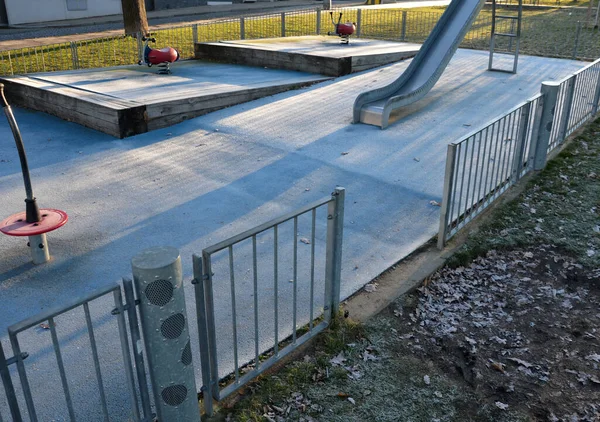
<point>46,321</point>
<point>263,282</point>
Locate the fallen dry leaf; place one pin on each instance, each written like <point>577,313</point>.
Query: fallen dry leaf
<point>371,287</point>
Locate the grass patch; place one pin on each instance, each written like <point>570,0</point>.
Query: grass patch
<point>275,389</point>
<point>561,207</point>
<point>546,32</point>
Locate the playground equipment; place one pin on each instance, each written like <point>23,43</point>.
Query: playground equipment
<point>506,25</point>
<point>374,107</point>
<point>33,222</point>
<point>161,57</point>
<point>342,30</point>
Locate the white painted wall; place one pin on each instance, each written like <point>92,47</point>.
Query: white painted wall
<point>36,11</point>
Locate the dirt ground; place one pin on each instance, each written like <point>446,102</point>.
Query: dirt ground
<point>509,330</point>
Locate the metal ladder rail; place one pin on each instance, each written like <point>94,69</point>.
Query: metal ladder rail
<point>512,35</point>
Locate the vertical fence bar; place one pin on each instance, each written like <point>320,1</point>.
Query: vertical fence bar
<point>295,275</point>
<point>474,198</point>
<point>14,341</point>
<point>275,288</point>
<point>242,28</point>
<point>358,22</point>
<point>485,164</point>
<point>318,25</point>
<point>403,27</point>
<point>233,314</point>
<point>550,93</point>
<point>447,195</point>
<point>566,111</point>
<point>255,282</point>
<point>9,389</point>
<point>61,368</point>
<point>312,266</point>
<point>126,354</point>
<point>283,24</point>
<point>203,337</point>
<point>138,352</point>
<point>90,328</point>
<point>74,55</point>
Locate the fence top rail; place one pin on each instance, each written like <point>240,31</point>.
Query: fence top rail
<point>265,226</point>
<point>496,119</point>
<point>50,313</point>
<point>583,69</point>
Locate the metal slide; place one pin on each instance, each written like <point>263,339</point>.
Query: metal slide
<point>374,107</point>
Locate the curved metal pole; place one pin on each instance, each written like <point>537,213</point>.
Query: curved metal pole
<point>31,208</point>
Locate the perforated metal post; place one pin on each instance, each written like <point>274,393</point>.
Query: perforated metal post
<point>158,280</point>
<point>550,95</point>
<point>358,22</point>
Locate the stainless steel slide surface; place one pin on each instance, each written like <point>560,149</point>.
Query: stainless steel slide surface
<point>374,107</point>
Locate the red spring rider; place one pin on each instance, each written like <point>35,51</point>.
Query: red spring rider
<point>162,58</point>
<point>342,30</point>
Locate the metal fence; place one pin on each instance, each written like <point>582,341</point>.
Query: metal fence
<point>554,33</point>
<point>261,327</point>
<point>483,165</point>
<point>78,357</point>
<point>46,322</point>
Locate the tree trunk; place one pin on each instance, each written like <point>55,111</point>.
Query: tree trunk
<point>134,17</point>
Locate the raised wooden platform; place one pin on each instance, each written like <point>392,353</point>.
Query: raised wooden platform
<point>129,100</point>
<point>313,54</point>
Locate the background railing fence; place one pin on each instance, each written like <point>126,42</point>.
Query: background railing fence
<point>557,34</point>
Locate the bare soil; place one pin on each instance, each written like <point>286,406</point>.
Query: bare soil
<point>520,330</point>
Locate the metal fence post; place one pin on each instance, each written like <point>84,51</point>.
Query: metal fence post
<point>74,55</point>
<point>203,337</point>
<point>9,389</point>
<point>158,279</point>
<point>358,22</point>
<point>138,352</point>
<point>447,195</point>
<point>318,11</point>
<point>207,278</point>
<point>549,96</point>
<point>283,24</point>
<point>333,259</point>
<point>326,4</point>
<point>403,27</point>
<point>577,34</point>
<point>566,109</point>
<point>519,158</point>
<point>195,33</point>
<point>242,28</point>
<point>597,94</point>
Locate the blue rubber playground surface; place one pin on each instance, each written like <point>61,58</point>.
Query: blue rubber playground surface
<point>199,182</point>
